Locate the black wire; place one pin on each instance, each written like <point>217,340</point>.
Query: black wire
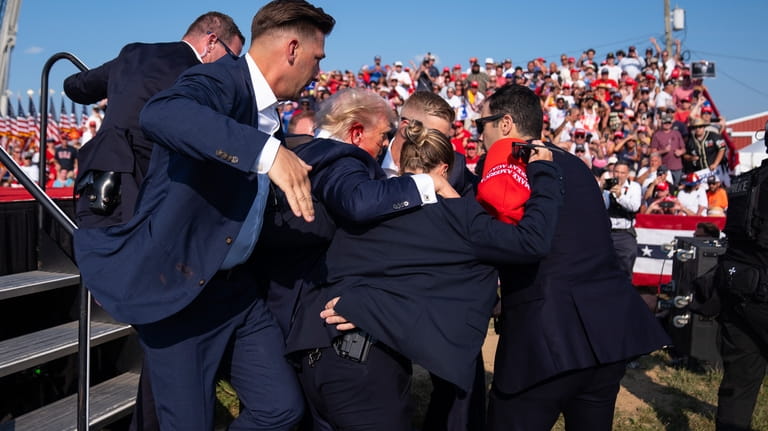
<point>735,57</point>
<point>743,84</point>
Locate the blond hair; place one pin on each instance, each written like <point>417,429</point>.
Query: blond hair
<point>424,149</point>
<point>350,106</point>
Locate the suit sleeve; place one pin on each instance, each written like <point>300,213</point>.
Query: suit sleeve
<point>198,117</point>
<point>90,86</point>
<point>502,243</point>
<point>348,191</point>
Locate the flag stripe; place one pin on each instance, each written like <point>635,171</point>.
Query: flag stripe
<point>653,265</point>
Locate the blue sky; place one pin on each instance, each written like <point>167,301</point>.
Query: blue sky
<point>732,34</point>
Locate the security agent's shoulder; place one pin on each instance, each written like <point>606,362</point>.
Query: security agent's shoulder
<point>224,68</point>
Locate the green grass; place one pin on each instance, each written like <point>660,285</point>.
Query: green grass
<point>655,396</point>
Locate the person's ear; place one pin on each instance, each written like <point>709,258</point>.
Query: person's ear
<point>444,169</point>
<point>356,133</point>
<point>292,48</point>
<point>506,125</point>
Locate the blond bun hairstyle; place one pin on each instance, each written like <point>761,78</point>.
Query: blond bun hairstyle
<point>424,149</point>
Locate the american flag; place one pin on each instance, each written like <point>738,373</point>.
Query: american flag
<point>73,116</point>
<point>53,126</point>
<point>21,120</point>
<point>83,119</point>
<point>5,125</point>
<point>654,265</point>
<point>33,119</point>
<point>64,125</point>
<point>13,124</point>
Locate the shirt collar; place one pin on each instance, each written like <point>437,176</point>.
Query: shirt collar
<point>265,98</point>
<point>200,59</point>
<point>325,134</point>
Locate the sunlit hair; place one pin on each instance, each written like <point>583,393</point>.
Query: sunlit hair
<point>426,103</point>
<point>215,22</point>
<point>424,149</point>
<point>294,15</point>
<point>340,112</point>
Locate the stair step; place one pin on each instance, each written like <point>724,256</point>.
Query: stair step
<point>109,401</point>
<point>26,283</point>
<point>33,349</point>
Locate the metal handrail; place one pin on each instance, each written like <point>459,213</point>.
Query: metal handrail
<point>44,104</point>
<point>84,321</point>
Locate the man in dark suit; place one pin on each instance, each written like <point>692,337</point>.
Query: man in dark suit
<point>434,112</point>
<point>139,72</point>
<point>348,186</point>
<point>179,270</point>
<point>422,309</point>
<point>450,409</point>
<point>119,148</point>
<point>569,323</point>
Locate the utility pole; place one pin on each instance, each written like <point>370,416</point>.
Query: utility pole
<point>667,28</point>
<point>9,13</point>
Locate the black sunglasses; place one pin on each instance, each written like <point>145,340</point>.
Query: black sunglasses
<point>226,48</point>
<point>480,122</point>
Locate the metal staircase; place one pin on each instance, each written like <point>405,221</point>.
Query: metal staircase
<point>56,276</point>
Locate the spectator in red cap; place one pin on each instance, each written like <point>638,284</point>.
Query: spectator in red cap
<point>683,111</point>
<point>460,137</point>
<point>686,87</point>
<point>474,98</point>
<point>472,155</point>
<point>663,202</point>
<point>692,197</point>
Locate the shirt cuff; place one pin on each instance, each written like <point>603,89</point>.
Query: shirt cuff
<point>426,188</point>
<point>267,157</point>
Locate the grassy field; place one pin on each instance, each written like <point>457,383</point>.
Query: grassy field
<point>654,396</point>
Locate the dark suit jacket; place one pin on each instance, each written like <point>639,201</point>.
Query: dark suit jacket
<point>422,282</point>
<point>576,308</point>
<point>192,205</point>
<point>348,186</point>
<point>139,72</point>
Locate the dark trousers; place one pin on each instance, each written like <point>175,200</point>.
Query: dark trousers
<point>358,396</point>
<point>144,416</point>
<point>451,409</point>
<point>228,322</point>
<point>744,350</point>
<point>625,244</point>
<point>585,397</point>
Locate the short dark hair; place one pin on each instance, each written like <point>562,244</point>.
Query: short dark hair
<point>522,104</point>
<point>297,15</point>
<point>215,22</point>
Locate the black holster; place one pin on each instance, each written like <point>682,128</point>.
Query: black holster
<point>353,345</point>
<point>102,189</point>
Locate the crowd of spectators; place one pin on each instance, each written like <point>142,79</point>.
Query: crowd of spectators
<point>617,106</point>
<point>60,152</point>
<point>644,109</point>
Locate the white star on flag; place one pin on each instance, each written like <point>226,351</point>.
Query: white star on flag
<point>647,251</point>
